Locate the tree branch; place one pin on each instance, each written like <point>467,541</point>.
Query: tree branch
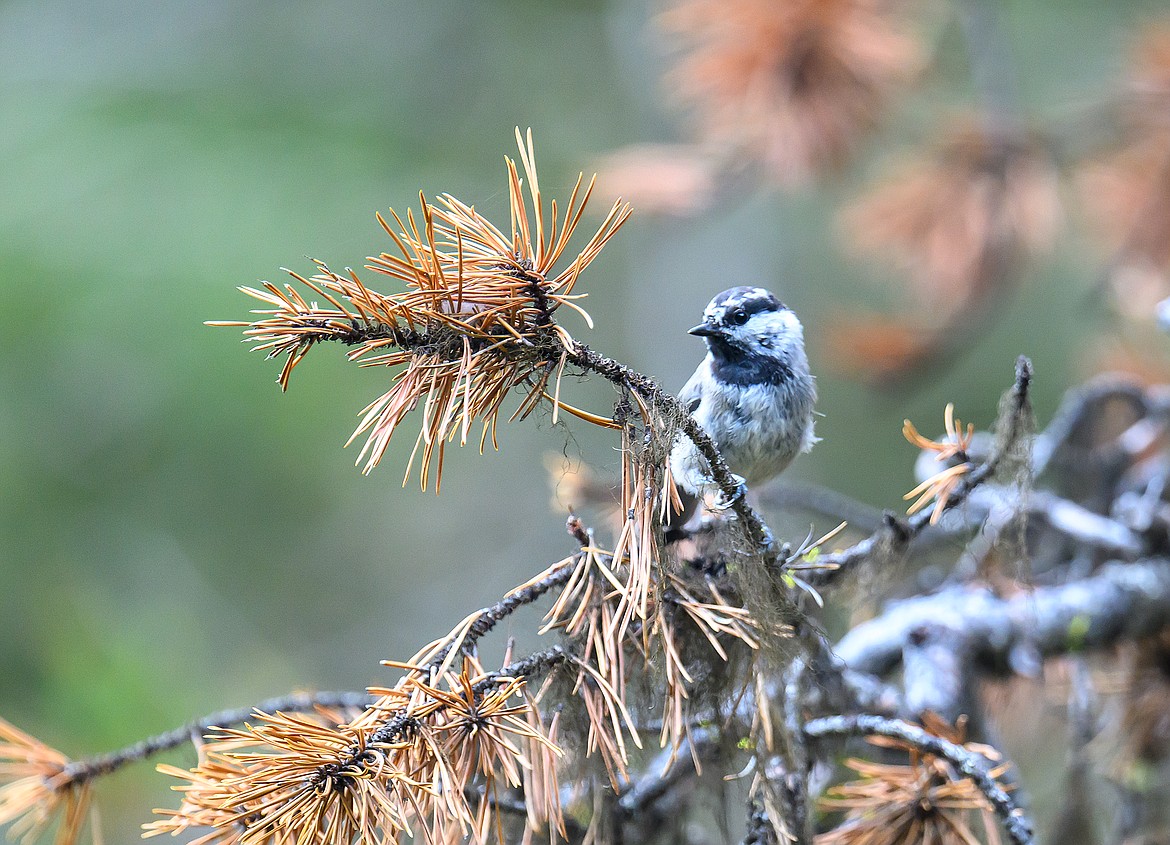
<point>1122,601</point>
<point>489,617</point>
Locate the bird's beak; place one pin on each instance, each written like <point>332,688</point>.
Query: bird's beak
<point>704,330</point>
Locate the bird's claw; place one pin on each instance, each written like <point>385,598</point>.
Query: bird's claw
<point>767,540</point>
<point>740,491</point>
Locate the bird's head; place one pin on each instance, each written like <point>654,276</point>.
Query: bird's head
<point>746,322</point>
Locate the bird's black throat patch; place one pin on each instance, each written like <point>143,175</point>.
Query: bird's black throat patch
<point>731,365</point>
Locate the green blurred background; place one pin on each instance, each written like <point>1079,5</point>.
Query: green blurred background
<point>175,534</point>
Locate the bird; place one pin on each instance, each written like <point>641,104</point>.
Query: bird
<point>753,394</point>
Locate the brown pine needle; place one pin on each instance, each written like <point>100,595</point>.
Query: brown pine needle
<point>953,446</point>
<point>304,778</point>
<point>956,442</point>
<point>938,489</point>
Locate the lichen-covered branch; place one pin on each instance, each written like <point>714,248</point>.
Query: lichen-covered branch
<point>1122,601</point>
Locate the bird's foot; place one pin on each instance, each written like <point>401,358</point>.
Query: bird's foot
<point>724,504</point>
<point>767,540</point>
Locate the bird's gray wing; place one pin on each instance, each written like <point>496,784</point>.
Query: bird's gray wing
<point>691,394</point>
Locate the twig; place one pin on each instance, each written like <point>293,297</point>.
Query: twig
<point>81,771</point>
<point>533,666</point>
<point>973,766</point>
<point>489,617</point>
<point>1085,527</point>
<point>1019,410</point>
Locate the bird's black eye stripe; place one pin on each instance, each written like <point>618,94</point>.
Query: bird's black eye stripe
<point>737,317</point>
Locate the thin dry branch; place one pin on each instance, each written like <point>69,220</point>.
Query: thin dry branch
<point>485,620</point>
<point>81,771</point>
<point>475,322</point>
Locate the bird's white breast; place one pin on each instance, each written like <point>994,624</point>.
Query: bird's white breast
<point>758,429</point>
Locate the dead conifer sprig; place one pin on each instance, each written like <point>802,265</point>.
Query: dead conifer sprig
<point>429,755</point>
<point>475,322</point>
<point>408,763</point>
<point>927,800</point>
<point>289,777</point>
<point>36,788</point>
<point>792,86</point>
<point>954,445</point>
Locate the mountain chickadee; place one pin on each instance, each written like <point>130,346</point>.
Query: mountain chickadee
<point>753,394</point>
